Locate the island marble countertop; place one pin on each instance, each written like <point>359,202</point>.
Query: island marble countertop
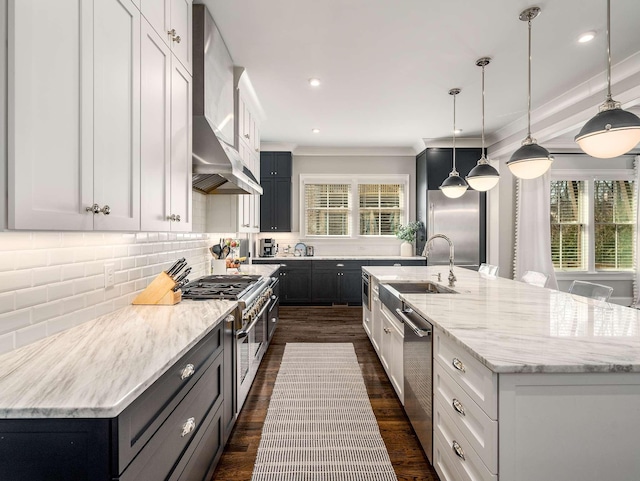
<point>512,327</point>
<point>96,369</point>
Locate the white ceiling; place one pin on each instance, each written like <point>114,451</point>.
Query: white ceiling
<point>386,65</point>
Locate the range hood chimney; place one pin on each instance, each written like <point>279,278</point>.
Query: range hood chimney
<point>217,165</point>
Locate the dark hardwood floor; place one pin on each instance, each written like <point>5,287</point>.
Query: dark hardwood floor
<point>324,324</point>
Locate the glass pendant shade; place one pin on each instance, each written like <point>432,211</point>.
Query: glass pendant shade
<point>483,176</point>
<point>454,186</point>
<point>610,133</point>
<point>530,161</point>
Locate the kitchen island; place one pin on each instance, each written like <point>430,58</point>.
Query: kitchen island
<point>528,383</point>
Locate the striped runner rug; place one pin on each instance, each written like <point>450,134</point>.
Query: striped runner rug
<point>320,425</point>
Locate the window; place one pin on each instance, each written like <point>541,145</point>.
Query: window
<point>593,224</point>
<point>381,208</point>
<point>364,206</point>
<point>328,209</point>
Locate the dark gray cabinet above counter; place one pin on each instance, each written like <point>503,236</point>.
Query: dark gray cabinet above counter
<point>275,179</point>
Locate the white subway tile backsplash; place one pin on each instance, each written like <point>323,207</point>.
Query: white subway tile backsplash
<point>7,342</point>
<point>75,303</point>
<point>60,290</point>
<point>31,334</point>
<point>31,259</point>
<point>12,321</point>
<point>62,256</point>
<point>31,297</point>
<point>13,280</point>
<point>7,302</point>
<point>51,281</point>
<point>46,311</point>
<point>72,271</point>
<point>15,241</point>
<point>46,275</point>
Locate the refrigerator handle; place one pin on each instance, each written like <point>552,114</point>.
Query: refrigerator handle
<point>431,220</point>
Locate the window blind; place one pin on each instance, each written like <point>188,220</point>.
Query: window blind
<point>328,209</point>
<point>568,224</point>
<point>381,208</point>
<point>614,215</point>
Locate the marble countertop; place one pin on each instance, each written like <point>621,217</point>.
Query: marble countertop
<point>98,368</point>
<point>341,258</point>
<point>512,327</point>
<point>265,270</point>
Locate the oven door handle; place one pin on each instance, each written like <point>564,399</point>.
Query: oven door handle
<point>417,331</point>
<point>245,332</point>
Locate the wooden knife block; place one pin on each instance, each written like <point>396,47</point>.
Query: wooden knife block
<point>159,292</point>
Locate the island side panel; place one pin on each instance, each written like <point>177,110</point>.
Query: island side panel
<point>569,426</point>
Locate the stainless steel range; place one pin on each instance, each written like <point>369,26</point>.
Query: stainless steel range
<point>259,302</point>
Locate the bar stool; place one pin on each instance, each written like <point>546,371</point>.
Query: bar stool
<point>535,278</point>
<point>590,289</point>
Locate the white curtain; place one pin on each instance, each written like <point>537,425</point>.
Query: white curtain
<point>636,279</point>
<point>533,229</point>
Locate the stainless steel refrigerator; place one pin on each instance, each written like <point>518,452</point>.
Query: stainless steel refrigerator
<point>462,221</point>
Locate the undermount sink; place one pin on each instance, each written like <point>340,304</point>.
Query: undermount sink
<point>419,288</point>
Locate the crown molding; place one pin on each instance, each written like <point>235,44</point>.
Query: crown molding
<point>355,151</point>
<point>277,147</point>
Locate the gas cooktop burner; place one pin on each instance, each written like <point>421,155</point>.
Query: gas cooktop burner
<point>219,287</point>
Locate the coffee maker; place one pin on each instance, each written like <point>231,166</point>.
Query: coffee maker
<point>267,247</point>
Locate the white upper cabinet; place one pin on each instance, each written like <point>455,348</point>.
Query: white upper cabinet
<point>181,130</point>
<point>50,124</point>
<point>165,137</point>
<point>155,138</point>
<point>74,153</point>
<point>116,99</point>
<point>171,19</point>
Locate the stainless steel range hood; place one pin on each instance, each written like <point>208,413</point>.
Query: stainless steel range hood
<point>217,165</point>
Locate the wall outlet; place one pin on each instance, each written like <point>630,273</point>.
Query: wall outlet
<point>109,275</point>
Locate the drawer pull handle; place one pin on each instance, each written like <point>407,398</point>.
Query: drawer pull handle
<point>188,371</point>
<point>190,425</point>
<point>457,363</point>
<point>457,405</point>
<point>458,450</point>
<point>339,265</point>
<point>274,320</point>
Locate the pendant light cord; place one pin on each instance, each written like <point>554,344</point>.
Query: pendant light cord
<point>609,98</point>
<point>483,111</point>
<point>454,133</point>
<point>529,94</point>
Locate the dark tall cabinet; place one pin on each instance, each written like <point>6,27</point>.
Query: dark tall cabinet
<point>432,167</point>
<point>275,204</point>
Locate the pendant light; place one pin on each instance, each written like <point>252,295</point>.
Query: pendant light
<point>613,131</point>
<point>454,185</point>
<point>531,160</point>
<point>483,176</point>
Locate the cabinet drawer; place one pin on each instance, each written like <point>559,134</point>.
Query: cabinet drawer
<point>159,456</point>
<point>475,378</point>
<point>443,463</point>
<point>144,416</point>
<point>467,462</point>
<point>480,431</point>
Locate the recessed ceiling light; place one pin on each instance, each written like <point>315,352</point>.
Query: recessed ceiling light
<point>315,131</point>
<point>314,82</point>
<point>457,131</point>
<point>587,37</point>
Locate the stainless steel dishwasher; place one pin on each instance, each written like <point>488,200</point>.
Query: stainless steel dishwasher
<point>417,366</point>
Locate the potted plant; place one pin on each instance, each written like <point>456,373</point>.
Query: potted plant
<point>408,234</point>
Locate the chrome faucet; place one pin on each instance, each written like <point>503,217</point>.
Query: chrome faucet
<point>425,253</point>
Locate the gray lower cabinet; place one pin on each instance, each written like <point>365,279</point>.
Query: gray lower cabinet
<point>337,282</point>
<point>175,430</point>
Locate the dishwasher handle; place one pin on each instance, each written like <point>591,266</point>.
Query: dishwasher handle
<point>417,331</point>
